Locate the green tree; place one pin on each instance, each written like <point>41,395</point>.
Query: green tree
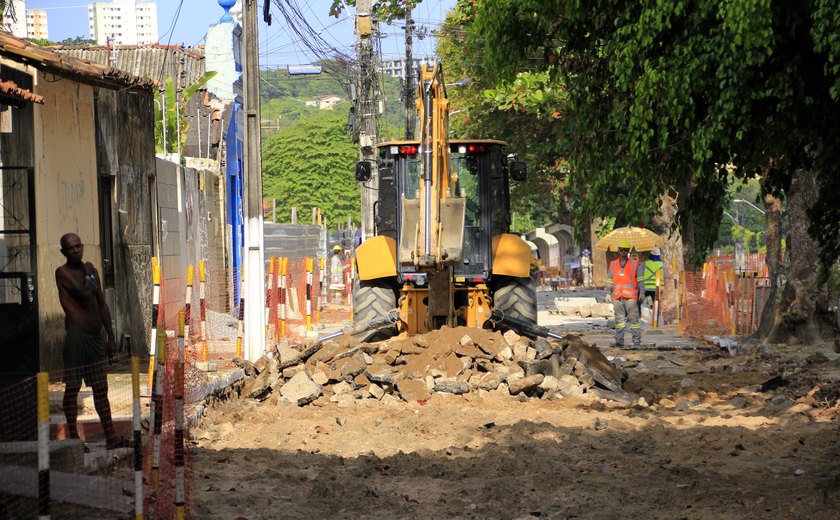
<point>170,129</point>
<point>78,40</point>
<point>484,108</point>
<point>311,164</point>
<point>43,42</point>
<point>663,94</point>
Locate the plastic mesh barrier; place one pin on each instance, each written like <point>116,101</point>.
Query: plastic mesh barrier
<point>79,478</point>
<point>720,300</point>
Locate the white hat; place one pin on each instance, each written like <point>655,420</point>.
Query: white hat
<point>655,251</point>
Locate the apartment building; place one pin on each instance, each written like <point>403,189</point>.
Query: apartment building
<point>36,24</point>
<point>14,18</point>
<point>396,68</point>
<point>125,22</point>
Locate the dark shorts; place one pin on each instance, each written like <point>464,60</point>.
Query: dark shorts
<point>84,354</point>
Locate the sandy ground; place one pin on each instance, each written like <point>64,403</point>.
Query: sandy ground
<point>712,443</point>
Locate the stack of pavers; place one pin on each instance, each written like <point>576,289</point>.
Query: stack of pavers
<point>454,361</point>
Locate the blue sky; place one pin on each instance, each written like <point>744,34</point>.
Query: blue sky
<point>279,45</point>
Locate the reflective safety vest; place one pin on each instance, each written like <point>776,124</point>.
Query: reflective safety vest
<point>624,282</point>
<point>651,268</point>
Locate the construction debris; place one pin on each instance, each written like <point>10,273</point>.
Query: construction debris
<point>445,361</point>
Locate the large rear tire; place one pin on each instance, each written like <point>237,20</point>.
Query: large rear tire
<point>516,297</point>
<point>373,299</point>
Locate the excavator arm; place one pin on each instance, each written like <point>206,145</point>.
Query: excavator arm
<point>433,223</point>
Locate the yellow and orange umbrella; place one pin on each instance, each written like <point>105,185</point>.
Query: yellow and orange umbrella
<point>640,238</point>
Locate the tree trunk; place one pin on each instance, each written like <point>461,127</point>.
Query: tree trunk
<point>773,238</point>
<point>794,314</point>
<point>672,253</point>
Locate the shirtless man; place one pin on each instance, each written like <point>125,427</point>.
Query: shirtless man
<point>80,294</point>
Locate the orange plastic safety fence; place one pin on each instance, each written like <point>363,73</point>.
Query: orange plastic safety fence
<point>293,301</point>
<point>94,485</point>
<point>720,300</point>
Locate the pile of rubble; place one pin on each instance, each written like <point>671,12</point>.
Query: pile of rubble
<point>449,360</point>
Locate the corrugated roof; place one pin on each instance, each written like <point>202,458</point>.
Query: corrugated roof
<point>153,61</point>
<point>9,90</point>
<point>47,60</point>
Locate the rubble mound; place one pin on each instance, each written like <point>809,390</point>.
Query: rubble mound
<point>448,360</point>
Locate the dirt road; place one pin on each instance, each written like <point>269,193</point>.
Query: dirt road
<point>715,442</point>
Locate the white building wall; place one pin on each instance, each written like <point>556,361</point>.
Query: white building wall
<point>126,22</point>
<point>14,18</point>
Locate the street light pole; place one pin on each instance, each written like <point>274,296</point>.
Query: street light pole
<point>742,201</point>
<point>254,259</point>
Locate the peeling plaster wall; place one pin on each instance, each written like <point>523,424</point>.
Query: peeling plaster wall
<point>65,194</point>
<point>125,148</point>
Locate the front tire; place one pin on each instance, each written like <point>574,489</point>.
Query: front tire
<point>373,299</point>
<point>516,297</point>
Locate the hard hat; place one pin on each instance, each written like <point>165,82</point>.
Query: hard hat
<point>336,247</point>
<point>624,244</point>
<point>586,251</point>
<point>656,251</point>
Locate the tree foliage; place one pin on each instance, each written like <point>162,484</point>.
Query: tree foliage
<point>662,94</point>
<point>43,42</point>
<point>77,40</point>
<point>310,165</point>
<point>171,120</point>
<point>524,112</point>
<point>387,10</point>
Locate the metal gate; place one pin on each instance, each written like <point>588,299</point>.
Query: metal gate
<point>19,356</point>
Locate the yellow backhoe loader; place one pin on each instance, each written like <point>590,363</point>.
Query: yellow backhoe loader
<point>442,253</point>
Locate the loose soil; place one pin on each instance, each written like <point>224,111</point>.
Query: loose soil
<point>751,436</point>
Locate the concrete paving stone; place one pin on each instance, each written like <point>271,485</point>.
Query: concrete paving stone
<point>430,383</point>
<point>346,400</point>
<point>319,377</point>
<point>571,391</point>
<point>342,388</point>
<point>376,391</point>
<point>291,372</point>
<point>465,375</point>
<point>261,364</point>
<point>390,356</point>
<point>360,381</point>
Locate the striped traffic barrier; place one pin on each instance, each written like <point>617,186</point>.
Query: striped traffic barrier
<point>155,310</point>
<point>138,443</point>
<point>178,393</point>
<point>157,407</point>
<point>272,265</point>
<point>241,315</point>
<point>202,309</point>
<point>43,390</point>
<point>188,305</point>
<point>309,265</point>
<point>284,267</point>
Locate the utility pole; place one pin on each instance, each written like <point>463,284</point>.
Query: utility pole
<point>254,259</point>
<point>408,92</point>
<point>366,108</point>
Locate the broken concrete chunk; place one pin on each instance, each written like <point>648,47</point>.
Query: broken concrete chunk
<point>549,384</point>
<point>262,364</point>
<point>451,387</point>
<point>380,373</point>
<point>511,338</point>
<point>506,354</point>
<point>413,390</point>
<point>300,389</point>
<point>288,354</point>
<point>292,371</point>
<point>466,341</point>
<point>525,384</point>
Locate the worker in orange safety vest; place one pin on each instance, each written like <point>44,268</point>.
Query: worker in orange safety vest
<point>624,277</point>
